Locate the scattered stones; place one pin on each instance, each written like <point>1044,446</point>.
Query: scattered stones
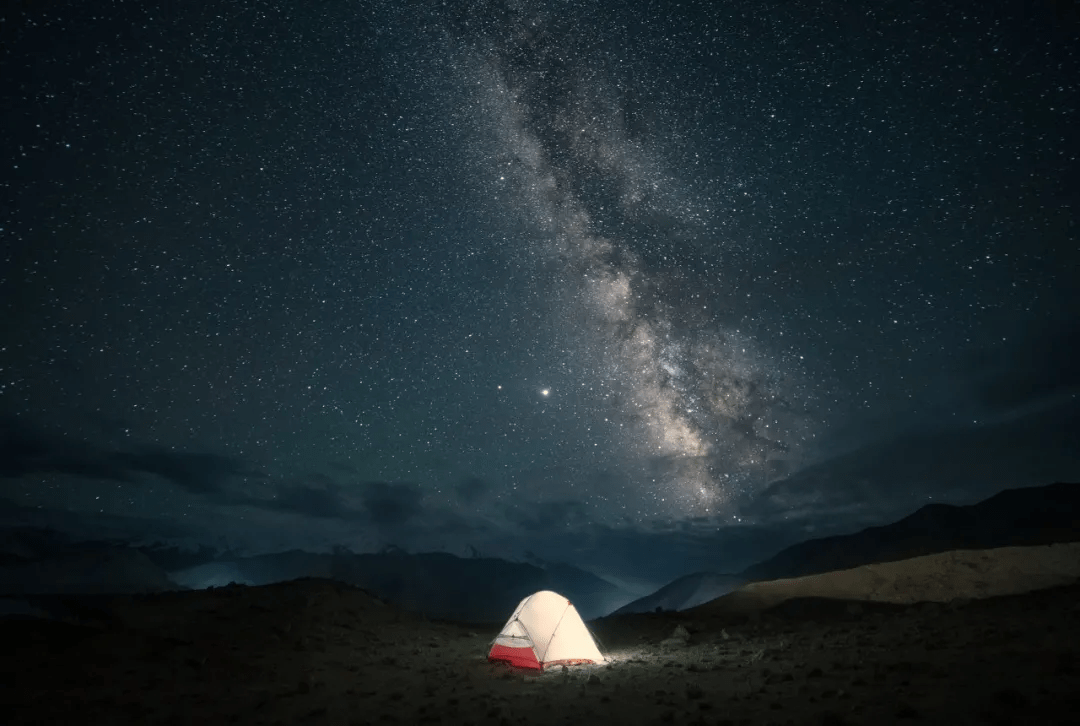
<point>850,682</point>
<point>680,637</point>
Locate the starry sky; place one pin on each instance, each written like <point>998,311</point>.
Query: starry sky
<point>647,287</point>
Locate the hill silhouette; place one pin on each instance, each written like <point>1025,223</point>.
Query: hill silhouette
<point>1012,518</point>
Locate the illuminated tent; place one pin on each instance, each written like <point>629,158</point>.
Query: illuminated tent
<point>545,630</point>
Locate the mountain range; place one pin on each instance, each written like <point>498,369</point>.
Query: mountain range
<point>473,589</point>
<point>1014,517</point>
<point>36,562</point>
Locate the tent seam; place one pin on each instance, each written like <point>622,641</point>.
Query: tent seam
<point>553,631</point>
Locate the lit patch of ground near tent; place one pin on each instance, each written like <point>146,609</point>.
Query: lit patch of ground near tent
<point>828,649</point>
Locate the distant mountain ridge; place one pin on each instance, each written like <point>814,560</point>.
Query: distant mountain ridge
<point>438,584</point>
<point>1014,517</point>
<point>40,562</point>
<point>1026,516</point>
<point>106,571</point>
<point>685,592</point>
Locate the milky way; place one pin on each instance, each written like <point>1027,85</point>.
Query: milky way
<point>699,406</point>
<point>484,272</point>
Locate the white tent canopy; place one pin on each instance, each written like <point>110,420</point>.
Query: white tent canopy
<point>544,630</point>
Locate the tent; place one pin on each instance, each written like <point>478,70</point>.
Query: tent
<point>545,630</point>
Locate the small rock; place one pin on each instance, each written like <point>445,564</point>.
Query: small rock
<point>906,710</point>
<point>594,680</point>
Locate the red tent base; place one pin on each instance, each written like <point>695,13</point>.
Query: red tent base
<point>517,657</point>
<point>526,658</point>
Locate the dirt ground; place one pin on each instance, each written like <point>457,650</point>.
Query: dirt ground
<point>315,652</point>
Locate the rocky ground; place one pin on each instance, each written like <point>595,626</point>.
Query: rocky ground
<point>312,651</point>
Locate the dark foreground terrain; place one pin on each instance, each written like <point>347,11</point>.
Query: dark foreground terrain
<point>315,652</point>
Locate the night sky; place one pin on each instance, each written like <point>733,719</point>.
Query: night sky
<point>647,287</point>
